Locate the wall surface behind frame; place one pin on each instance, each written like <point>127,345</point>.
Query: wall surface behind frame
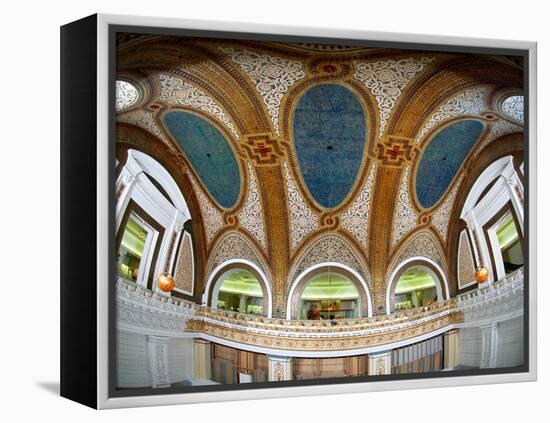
<point>31,365</point>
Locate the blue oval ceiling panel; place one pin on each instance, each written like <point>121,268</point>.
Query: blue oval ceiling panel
<point>329,137</point>
<point>442,158</point>
<point>209,153</point>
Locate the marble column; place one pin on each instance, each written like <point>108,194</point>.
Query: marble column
<point>202,359</point>
<point>451,348</point>
<point>380,363</point>
<point>123,191</point>
<point>280,368</point>
<point>157,354</point>
<point>489,344</point>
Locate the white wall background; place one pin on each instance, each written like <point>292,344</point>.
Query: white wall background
<point>29,173</point>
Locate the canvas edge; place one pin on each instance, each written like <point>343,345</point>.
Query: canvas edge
<point>103,400</point>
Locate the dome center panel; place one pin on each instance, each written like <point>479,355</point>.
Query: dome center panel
<point>209,153</point>
<point>442,159</point>
<point>329,138</point>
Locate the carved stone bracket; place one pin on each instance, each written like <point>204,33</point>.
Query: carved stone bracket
<point>262,149</point>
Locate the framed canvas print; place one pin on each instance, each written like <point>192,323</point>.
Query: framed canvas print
<point>256,211</point>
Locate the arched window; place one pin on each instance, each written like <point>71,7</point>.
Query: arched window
<point>240,291</point>
<point>416,282</point>
<point>329,296</point>
<point>493,212</point>
<point>239,285</point>
<point>153,226</point>
<point>416,287</point>
<point>329,291</point>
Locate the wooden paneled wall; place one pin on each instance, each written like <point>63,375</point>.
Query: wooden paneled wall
<point>319,368</point>
<point>425,356</point>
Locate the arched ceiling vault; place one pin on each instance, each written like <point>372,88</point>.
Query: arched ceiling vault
<point>249,91</point>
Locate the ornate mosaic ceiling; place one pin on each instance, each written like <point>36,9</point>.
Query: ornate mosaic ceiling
<point>286,144</point>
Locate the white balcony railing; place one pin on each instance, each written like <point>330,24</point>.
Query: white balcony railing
<point>140,309</point>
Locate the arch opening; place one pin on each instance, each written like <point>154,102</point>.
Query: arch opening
<point>329,291</point>
<point>416,287</point>
<point>240,288</point>
<point>416,282</point>
<point>329,296</point>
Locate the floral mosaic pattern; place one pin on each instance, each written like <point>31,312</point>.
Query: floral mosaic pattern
<point>176,91</point>
<point>405,215</point>
<point>211,217</point>
<point>469,102</point>
<point>271,75</point>
<point>356,218</point>
<point>386,80</point>
<point>329,248</point>
<point>466,264</point>
<point>440,218</point>
<point>184,274</point>
<point>126,95</point>
<point>145,120</point>
<point>302,219</point>
<point>251,215</point>
<point>235,246</point>
<point>513,107</point>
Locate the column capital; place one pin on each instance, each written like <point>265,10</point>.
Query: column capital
<point>379,363</point>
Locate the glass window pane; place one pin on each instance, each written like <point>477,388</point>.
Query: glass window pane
<point>131,249</point>
<point>510,244</point>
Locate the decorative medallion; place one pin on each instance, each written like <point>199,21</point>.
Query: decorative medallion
<point>396,151</point>
<point>513,106</point>
<point>386,80</point>
<point>262,149</point>
<point>176,91</point>
<point>211,217</point>
<point>127,95</point>
<point>251,215</point>
<point>469,102</point>
<point>302,219</point>
<point>271,75</point>
<point>356,218</point>
<point>405,215</point>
